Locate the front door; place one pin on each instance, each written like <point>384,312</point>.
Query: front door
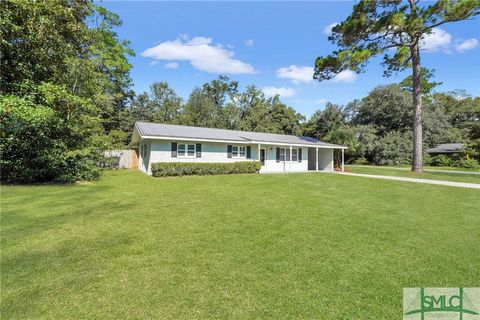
<point>262,157</point>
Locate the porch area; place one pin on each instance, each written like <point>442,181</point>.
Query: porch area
<point>274,158</point>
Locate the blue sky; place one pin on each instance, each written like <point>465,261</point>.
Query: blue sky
<point>272,45</point>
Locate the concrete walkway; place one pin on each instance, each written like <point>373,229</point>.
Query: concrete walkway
<point>426,170</point>
<point>427,181</point>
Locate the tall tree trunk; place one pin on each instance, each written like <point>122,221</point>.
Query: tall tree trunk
<point>417,164</point>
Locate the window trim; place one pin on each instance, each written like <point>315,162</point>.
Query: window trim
<point>295,157</point>
<point>286,150</point>
<point>144,150</point>
<point>238,153</point>
<point>186,149</point>
<point>283,153</point>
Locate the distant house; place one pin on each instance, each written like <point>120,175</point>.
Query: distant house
<point>157,142</point>
<point>450,149</point>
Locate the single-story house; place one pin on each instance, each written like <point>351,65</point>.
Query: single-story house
<point>447,149</point>
<point>158,142</point>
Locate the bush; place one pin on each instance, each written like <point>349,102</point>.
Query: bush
<point>361,161</point>
<point>427,159</point>
<point>442,161</point>
<point>468,164</point>
<point>49,137</point>
<point>165,169</point>
<point>395,148</point>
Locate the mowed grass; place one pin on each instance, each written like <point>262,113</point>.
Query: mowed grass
<point>401,172</point>
<point>277,246</point>
<point>442,168</point>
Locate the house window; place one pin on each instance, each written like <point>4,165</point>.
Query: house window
<point>239,152</point>
<point>284,154</point>
<point>191,150</point>
<point>295,154</point>
<point>242,152</point>
<point>145,149</point>
<point>186,150</point>
<point>181,150</point>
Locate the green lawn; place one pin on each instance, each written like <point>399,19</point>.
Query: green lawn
<point>274,246</point>
<point>385,171</point>
<point>443,168</point>
<point>450,169</point>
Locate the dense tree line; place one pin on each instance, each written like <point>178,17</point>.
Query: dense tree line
<point>378,128</point>
<point>217,104</point>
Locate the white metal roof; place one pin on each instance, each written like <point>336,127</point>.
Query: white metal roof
<point>151,130</point>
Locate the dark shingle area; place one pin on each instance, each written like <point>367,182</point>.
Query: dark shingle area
<point>447,148</point>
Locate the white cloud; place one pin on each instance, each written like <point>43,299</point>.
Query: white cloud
<point>171,65</point>
<point>154,62</point>
<point>436,40</point>
<point>296,74</point>
<point>249,43</point>
<point>305,75</point>
<point>328,29</point>
<point>468,44</point>
<point>346,76</point>
<point>321,101</point>
<point>202,55</point>
<point>281,91</point>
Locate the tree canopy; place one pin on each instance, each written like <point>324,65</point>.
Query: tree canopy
<point>217,104</point>
<point>65,77</point>
<point>377,128</point>
<point>375,27</point>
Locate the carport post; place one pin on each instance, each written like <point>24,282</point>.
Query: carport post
<point>343,159</point>
<point>316,159</point>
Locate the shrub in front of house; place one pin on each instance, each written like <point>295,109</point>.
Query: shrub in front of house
<point>442,161</point>
<point>427,159</point>
<point>468,164</point>
<point>168,169</point>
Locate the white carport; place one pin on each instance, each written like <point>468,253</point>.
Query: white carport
<point>322,158</point>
